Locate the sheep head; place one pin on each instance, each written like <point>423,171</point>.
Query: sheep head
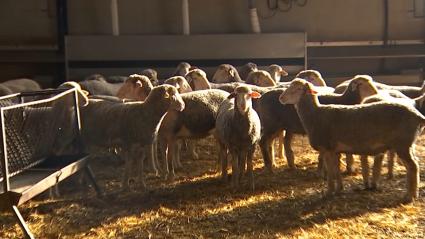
<point>243,98</point>
<point>182,69</point>
<point>197,79</point>
<point>136,87</point>
<point>225,73</point>
<point>364,85</point>
<point>180,83</point>
<point>246,69</point>
<point>151,74</point>
<point>312,76</point>
<point>166,95</point>
<point>296,90</point>
<point>277,72</point>
<point>260,78</point>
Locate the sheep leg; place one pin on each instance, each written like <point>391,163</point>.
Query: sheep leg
<point>163,152</point>
<point>155,157</point>
<point>192,150</point>
<point>150,157</point>
<point>250,169</point>
<point>365,171</point>
<point>169,154</point>
<point>390,166</point>
<point>376,174</point>
<point>222,158</point>
<point>288,149</point>
<point>144,151</point>
<point>242,165</point>
<point>235,170</point>
<point>321,167</point>
<point>266,143</point>
<point>339,185</point>
<point>127,169</point>
<point>176,155</point>
<point>330,165</point>
<point>412,173</point>
<point>281,150</point>
<point>349,167</point>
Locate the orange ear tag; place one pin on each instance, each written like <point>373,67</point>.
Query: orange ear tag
<point>255,95</point>
<point>313,92</point>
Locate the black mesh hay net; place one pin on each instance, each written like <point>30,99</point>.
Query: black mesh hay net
<point>43,126</point>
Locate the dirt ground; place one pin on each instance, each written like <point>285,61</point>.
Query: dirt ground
<point>287,204</point>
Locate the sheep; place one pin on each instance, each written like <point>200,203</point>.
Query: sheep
<point>98,77</point>
<point>99,86</point>
<point>197,120</point>
<point>226,73</point>
<point>389,96</point>
<point>275,118</point>
<point>182,69</point>
<point>197,79</point>
<point>409,91</point>
<point>17,86</point>
<point>260,78</point>
<point>246,69</point>
<point>180,83</point>
<point>276,72</point>
<point>238,129</point>
<point>152,75</point>
<point>137,126</point>
<point>136,87</point>
<point>362,129</point>
<point>116,79</point>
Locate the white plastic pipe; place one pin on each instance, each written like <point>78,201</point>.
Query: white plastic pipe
<point>185,16</point>
<point>255,23</point>
<point>114,18</point>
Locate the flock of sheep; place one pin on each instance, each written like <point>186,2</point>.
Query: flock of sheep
<point>145,120</point>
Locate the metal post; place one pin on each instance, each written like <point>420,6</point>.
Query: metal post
<point>78,121</point>
<point>22,223</point>
<point>115,19</point>
<point>5,171</point>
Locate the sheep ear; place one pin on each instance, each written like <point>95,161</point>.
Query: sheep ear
<point>283,73</point>
<point>139,83</point>
<point>232,72</point>
<point>232,95</point>
<point>255,95</point>
<point>166,95</point>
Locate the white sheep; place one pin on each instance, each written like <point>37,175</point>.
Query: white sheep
<point>238,130</point>
<point>362,129</point>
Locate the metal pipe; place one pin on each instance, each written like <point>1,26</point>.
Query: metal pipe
<point>5,166</point>
<point>255,23</point>
<point>185,17</point>
<point>62,23</point>
<point>114,18</point>
<point>363,43</point>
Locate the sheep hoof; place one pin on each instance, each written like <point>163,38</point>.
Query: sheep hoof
<point>408,199</point>
<point>390,176</point>
<point>169,177</point>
